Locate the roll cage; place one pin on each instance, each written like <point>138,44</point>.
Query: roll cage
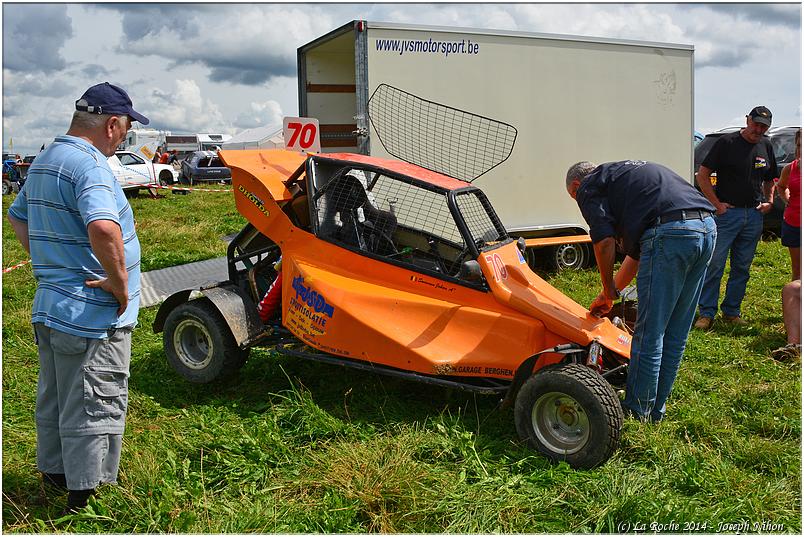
<point>400,219</point>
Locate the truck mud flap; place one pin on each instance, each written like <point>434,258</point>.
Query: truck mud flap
<point>237,309</point>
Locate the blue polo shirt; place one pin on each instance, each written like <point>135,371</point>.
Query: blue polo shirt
<point>70,185</point>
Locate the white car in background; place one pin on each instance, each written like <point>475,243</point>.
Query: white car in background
<point>133,172</point>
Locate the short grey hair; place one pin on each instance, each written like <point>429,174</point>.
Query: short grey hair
<point>579,171</point>
<point>89,121</point>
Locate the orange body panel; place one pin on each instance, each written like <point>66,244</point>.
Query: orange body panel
<point>351,305</point>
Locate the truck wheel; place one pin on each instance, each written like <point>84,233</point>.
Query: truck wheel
<point>571,256</point>
<point>569,413</point>
<point>7,188</point>
<point>199,345</point>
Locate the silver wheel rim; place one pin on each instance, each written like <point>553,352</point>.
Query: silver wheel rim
<point>193,344</point>
<point>560,423</point>
<point>568,255</point>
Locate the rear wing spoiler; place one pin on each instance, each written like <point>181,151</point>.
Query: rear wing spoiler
<point>271,167</point>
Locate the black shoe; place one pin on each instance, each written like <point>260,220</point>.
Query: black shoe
<point>58,481</point>
<point>77,500</point>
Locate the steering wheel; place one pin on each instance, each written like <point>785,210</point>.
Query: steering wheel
<point>455,268</point>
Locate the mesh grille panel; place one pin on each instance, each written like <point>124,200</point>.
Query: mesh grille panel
<point>477,218</point>
<point>438,137</point>
<point>417,208</point>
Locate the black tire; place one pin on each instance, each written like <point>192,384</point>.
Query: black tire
<point>571,256</point>
<point>199,345</point>
<point>165,178</point>
<point>7,187</point>
<point>569,413</point>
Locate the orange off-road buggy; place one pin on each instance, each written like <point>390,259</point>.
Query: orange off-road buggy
<point>390,267</point>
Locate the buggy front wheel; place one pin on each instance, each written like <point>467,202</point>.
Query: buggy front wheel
<point>569,413</point>
<point>199,344</point>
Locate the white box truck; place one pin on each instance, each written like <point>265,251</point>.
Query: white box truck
<point>569,98</point>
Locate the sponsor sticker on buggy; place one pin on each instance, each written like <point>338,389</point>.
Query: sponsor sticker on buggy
<point>415,278</point>
<point>308,311</point>
<point>254,199</point>
<point>623,340</point>
<point>520,256</point>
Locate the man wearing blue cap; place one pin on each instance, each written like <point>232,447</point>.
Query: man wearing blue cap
<point>74,220</point>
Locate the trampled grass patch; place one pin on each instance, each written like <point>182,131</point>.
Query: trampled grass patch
<point>290,446</point>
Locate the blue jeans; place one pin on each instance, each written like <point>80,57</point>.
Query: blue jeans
<point>672,264</point>
<point>738,232</point>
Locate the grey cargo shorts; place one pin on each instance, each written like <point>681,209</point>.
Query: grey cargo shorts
<point>81,404</point>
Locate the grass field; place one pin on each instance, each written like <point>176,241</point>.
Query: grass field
<point>297,447</point>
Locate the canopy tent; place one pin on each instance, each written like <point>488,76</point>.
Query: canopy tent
<point>267,137</point>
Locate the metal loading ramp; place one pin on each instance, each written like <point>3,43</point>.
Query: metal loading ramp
<point>157,285</point>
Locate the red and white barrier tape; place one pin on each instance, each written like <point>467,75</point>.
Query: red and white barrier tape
<point>18,265</point>
<point>155,185</point>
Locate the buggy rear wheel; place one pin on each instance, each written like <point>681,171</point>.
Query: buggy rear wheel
<point>569,413</point>
<point>7,188</point>
<point>199,345</point>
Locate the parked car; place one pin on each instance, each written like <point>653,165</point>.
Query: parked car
<point>133,172</point>
<point>203,166</point>
<point>782,139</point>
<point>12,180</point>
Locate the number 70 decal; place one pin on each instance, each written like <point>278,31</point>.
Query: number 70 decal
<point>301,134</point>
<point>496,262</point>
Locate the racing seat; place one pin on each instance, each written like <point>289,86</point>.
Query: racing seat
<point>379,229</point>
<point>345,198</point>
<point>342,196</point>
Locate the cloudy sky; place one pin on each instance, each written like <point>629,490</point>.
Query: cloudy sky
<point>226,68</point>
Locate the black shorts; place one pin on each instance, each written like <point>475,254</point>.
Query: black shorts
<point>791,235</point>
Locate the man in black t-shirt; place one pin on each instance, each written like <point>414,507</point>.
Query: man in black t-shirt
<point>668,234</point>
<point>745,166</point>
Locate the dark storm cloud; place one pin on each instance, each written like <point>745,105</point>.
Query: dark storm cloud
<point>33,36</point>
<point>769,14</point>
<point>725,57</point>
<point>250,71</point>
<point>252,64</point>
<point>95,71</point>
<point>36,86</point>
<point>141,20</point>
<point>44,122</point>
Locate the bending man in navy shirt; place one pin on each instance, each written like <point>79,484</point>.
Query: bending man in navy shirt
<point>668,234</point>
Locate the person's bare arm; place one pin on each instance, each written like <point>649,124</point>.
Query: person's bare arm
<point>628,270</point>
<point>767,191</point>
<point>705,184</point>
<point>21,231</point>
<point>106,240</point>
<point>605,251</point>
<point>783,184</point>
